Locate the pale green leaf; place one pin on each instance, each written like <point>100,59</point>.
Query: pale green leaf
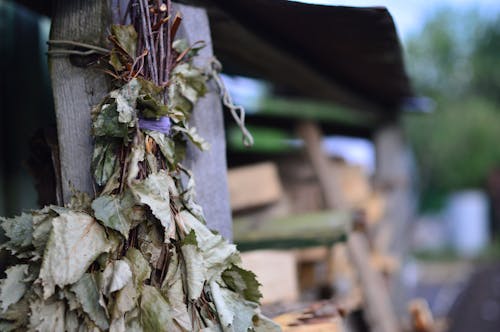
<point>136,155</point>
<point>42,225</point>
<point>151,108</point>
<point>126,36</point>
<point>116,275</point>
<point>218,254</point>
<point>114,212</point>
<point>234,312</point>
<point>192,134</point>
<point>166,145</point>
<point>125,300</point>
<point>155,192</point>
<point>139,266</point>
<point>150,242</point>
<point>19,230</point>
<point>176,295</point>
<point>180,45</point>
<point>16,315</point>
<point>242,282</point>
<point>114,61</point>
<point>264,324</point>
<point>190,81</point>
<point>126,99</point>
<point>106,122</point>
<point>71,323</point>
<point>87,294</point>
<point>104,159</point>
<point>12,288</point>
<point>195,269</point>
<point>156,314</point>
<point>75,241</point>
<point>224,310</point>
<point>46,316</point>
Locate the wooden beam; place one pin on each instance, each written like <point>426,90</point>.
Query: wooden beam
<point>328,180</point>
<point>209,167</point>
<point>246,185</point>
<point>378,308</point>
<point>76,89</point>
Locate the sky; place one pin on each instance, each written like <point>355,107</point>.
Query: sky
<point>410,15</point>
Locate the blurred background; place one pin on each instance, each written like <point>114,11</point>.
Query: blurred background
<point>411,158</point>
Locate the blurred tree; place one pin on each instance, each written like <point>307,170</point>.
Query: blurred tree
<point>485,61</point>
<point>454,60</point>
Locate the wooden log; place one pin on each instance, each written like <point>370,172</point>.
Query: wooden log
<point>378,308</point>
<point>276,286</point>
<point>76,89</point>
<point>392,174</point>
<point>377,303</point>
<point>329,181</point>
<point>254,185</point>
<point>209,167</point>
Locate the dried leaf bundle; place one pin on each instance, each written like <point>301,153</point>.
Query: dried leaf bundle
<point>139,256</point>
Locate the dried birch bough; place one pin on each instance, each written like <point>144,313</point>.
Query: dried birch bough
<point>139,256</point>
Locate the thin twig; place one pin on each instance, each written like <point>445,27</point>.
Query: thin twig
<point>97,49</point>
<point>145,37</point>
<point>151,43</point>
<point>66,52</point>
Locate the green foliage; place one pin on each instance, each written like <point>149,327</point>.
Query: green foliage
<point>455,61</point>
<point>457,145</point>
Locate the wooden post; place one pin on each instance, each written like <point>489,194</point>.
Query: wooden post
<point>77,90</point>
<point>393,175</point>
<point>378,306</point>
<point>329,182</point>
<point>209,167</point>
<point>378,310</point>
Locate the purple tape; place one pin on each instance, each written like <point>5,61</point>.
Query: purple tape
<point>162,124</point>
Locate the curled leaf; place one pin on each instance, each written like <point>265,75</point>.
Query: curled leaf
<point>126,36</point>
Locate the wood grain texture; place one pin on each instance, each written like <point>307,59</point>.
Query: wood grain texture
<point>76,90</point>
<point>209,167</point>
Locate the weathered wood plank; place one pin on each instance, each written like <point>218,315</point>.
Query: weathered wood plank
<point>265,264</point>
<point>209,167</point>
<point>76,90</point>
<point>246,185</point>
<point>311,229</point>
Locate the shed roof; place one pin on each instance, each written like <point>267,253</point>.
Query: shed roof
<point>348,55</point>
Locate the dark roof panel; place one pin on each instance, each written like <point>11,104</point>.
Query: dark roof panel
<point>357,48</point>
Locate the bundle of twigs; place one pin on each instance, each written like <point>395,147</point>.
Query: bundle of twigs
<point>138,256</point>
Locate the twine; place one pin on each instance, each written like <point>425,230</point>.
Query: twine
<point>237,111</point>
